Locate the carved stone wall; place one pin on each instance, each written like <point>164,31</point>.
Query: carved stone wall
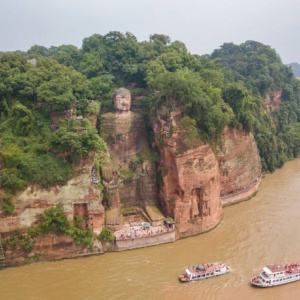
<point>129,175</point>
<point>190,192</point>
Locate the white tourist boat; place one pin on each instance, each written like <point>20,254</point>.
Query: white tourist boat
<point>204,271</point>
<point>274,275</point>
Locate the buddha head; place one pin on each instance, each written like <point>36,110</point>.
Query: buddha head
<point>122,100</point>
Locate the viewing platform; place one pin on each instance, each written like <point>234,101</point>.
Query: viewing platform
<point>134,236</point>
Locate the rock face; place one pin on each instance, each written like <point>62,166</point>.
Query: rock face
<point>196,182</point>
<point>239,163</point>
<point>50,247</point>
<point>272,99</point>
<point>78,197</point>
<point>190,192</point>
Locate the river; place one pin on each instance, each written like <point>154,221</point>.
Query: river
<point>263,230</point>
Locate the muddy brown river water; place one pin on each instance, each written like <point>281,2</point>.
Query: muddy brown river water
<point>263,230</point>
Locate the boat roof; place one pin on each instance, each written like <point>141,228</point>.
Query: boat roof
<point>267,270</point>
<point>274,269</point>
<point>206,267</point>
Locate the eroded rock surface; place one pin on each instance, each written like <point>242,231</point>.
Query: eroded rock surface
<point>240,167</point>
<point>191,181</point>
<point>78,197</point>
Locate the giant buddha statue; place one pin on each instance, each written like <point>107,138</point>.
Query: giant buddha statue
<point>122,100</point>
<point>129,176</point>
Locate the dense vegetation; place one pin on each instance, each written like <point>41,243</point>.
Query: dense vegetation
<point>42,88</point>
<point>37,145</point>
<point>257,73</point>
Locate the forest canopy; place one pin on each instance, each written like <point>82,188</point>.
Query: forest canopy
<point>48,95</point>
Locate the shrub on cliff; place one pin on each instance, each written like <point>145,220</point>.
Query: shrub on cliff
<point>106,235</point>
<point>7,204</point>
<point>54,220</point>
<point>81,237</point>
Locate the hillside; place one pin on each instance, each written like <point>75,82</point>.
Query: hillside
<point>121,132</point>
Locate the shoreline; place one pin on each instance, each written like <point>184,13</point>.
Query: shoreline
<point>129,237</point>
<point>244,195</point>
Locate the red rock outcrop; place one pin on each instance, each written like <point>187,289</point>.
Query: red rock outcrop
<point>49,247</point>
<point>272,100</point>
<point>240,167</point>
<point>190,192</point>
<point>78,197</point>
<point>197,181</point>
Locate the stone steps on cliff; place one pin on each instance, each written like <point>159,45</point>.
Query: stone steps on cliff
<point>2,262</point>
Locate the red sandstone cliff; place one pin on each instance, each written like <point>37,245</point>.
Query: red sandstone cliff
<point>190,191</point>
<point>78,197</point>
<point>196,180</point>
<point>272,99</point>
<point>240,167</point>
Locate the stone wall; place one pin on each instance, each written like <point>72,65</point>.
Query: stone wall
<point>128,244</point>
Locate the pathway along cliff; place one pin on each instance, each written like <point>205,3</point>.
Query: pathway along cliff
<point>261,231</point>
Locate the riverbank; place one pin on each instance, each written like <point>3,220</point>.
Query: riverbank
<point>243,241</point>
<point>129,237</point>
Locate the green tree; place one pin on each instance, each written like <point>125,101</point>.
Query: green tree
<point>106,235</point>
<point>23,119</point>
<point>7,204</point>
<point>54,221</point>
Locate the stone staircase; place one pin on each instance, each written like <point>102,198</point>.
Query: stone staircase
<point>2,262</point>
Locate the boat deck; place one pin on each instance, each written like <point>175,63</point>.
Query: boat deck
<point>208,267</point>
<point>287,269</point>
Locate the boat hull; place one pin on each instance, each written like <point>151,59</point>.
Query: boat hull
<point>209,270</point>
<point>273,284</point>
<point>182,279</point>
<point>275,275</point>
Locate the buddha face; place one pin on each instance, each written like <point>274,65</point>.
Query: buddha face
<point>122,100</point>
